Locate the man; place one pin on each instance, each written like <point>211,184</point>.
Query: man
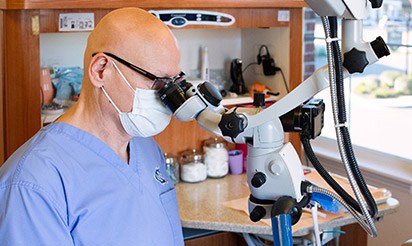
<point>95,177</point>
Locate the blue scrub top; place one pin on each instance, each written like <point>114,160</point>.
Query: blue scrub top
<point>66,187</point>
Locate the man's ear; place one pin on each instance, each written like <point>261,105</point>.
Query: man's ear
<point>98,65</point>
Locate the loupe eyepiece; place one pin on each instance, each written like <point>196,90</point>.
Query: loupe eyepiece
<point>185,86</point>
<point>172,96</point>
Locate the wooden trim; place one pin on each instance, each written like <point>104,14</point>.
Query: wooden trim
<point>22,88</point>
<point>245,18</point>
<point>1,88</point>
<point>111,4</point>
<point>296,61</point>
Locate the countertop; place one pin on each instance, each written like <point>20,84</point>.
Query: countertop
<point>201,207</point>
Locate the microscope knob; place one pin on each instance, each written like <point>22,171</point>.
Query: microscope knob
<point>376,3</point>
<point>258,179</point>
<point>355,61</point>
<point>232,124</point>
<point>380,48</point>
<point>257,213</point>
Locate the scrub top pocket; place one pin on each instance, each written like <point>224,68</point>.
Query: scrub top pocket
<point>169,204</point>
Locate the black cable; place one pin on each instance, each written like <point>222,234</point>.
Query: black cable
<point>252,63</point>
<point>326,176</point>
<point>342,119</point>
<point>338,69</point>
<point>284,79</point>
<point>373,209</point>
<point>260,50</point>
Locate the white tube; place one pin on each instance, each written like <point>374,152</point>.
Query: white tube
<point>316,224</point>
<point>204,67</point>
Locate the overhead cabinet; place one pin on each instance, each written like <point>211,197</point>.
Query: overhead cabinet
<point>23,21</point>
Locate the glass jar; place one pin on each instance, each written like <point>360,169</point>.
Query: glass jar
<point>216,158</point>
<point>172,167</point>
<point>192,168</point>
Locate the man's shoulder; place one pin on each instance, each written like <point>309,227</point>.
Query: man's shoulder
<point>34,161</point>
<point>33,168</point>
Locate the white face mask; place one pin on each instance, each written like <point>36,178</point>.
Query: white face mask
<point>148,117</point>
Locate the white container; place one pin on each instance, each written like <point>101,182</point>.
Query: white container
<point>192,168</point>
<point>216,158</point>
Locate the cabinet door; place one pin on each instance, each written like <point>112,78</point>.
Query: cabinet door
<point>1,88</point>
<point>22,105</point>
<point>221,238</point>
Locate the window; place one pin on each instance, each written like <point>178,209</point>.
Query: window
<point>379,100</point>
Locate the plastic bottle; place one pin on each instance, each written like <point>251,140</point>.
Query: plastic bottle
<point>204,66</point>
<point>46,86</point>
<point>172,167</point>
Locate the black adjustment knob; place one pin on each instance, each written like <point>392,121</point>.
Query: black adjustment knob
<point>380,48</point>
<point>376,3</point>
<point>258,179</point>
<point>355,61</point>
<point>232,124</point>
<point>257,213</point>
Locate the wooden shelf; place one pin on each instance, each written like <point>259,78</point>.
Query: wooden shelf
<point>245,18</point>
<point>165,4</point>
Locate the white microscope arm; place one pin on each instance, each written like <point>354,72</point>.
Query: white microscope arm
<point>352,42</point>
<point>261,128</point>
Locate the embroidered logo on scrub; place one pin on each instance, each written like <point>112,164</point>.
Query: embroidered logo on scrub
<point>159,177</point>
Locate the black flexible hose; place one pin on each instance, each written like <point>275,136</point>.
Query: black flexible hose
<point>373,209</point>
<point>342,119</point>
<point>326,176</point>
<point>333,24</point>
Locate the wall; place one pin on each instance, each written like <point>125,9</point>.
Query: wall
<point>66,49</point>
<point>223,46</point>
<point>277,41</point>
<point>62,49</point>
<point>309,45</point>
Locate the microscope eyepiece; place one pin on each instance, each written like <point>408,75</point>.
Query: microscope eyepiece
<point>172,96</point>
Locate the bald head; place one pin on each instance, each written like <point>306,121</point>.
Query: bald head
<point>138,37</point>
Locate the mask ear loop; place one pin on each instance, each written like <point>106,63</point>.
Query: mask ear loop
<point>110,99</point>
<point>121,74</point>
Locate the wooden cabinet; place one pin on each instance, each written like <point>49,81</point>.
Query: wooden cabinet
<point>221,238</point>
<point>1,88</point>
<point>20,72</point>
<point>111,4</point>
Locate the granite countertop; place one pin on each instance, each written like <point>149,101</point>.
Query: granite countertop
<point>201,207</point>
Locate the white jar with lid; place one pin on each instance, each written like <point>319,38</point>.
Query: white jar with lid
<point>192,168</point>
<point>216,158</point>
